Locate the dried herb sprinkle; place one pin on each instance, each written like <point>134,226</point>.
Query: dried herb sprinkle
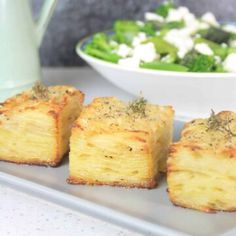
<point>216,123</point>
<point>40,91</point>
<point>138,107</point>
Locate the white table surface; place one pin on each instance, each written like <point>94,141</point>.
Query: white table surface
<point>22,214</point>
<point>25,215</point>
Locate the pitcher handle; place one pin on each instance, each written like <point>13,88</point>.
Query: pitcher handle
<point>44,18</point>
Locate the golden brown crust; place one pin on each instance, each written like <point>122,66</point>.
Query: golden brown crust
<point>57,100</point>
<point>205,209</point>
<point>52,163</point>
<point>148,185</point>
<point>36,162</point>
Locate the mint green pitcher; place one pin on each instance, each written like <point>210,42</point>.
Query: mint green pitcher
<point>20,38</point>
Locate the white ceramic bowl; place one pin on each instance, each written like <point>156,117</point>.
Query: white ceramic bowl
<point>191,94</point>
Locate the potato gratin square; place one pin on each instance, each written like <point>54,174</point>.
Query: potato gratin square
<point>35,125</point>
<point>202,165</point>
<point>119,144</point>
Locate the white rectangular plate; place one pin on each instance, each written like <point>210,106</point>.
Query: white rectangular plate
<point>140,209</point>
<point>147,211</point>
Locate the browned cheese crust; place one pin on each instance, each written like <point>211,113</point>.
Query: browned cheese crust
<point>148,184</point>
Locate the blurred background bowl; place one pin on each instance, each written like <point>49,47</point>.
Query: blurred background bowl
<point>191,94</point>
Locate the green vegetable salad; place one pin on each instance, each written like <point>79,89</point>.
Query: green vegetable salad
<point>170,38</point>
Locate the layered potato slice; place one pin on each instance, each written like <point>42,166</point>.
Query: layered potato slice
<point>119,144</point>
<point>202,165</point>
<point>35,125</point>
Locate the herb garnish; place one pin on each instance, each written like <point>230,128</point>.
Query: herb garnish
<point>40,91</point>
<point>215,122</point>
<point>138,106</point>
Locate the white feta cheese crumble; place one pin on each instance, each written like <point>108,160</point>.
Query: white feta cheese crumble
<point>114,43</point>
<point>140,38</point>
<point>140,23</point>
<point>145,52</point>
<point>130,62</point>
<point>177,14</point>
<point>230,28</point>
<point>150,16</point>
<point>192,24</point>
<point>190,29</point>
<point>232,43</point>
<point>182,41</point>
<point>229,63</point>
<point>168,58</point>
<point>210,19</point>
<point>203,25</point>
<point>224,45</point>
<point>204,49</point>
<point>217,59</point>
<point>124,50</point>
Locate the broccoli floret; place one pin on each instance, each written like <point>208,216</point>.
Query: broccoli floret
<point>164,8</point>
<point>198,62</point>
<point>216,35</point>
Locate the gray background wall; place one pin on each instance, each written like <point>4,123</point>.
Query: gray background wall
<point>74,19</point>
